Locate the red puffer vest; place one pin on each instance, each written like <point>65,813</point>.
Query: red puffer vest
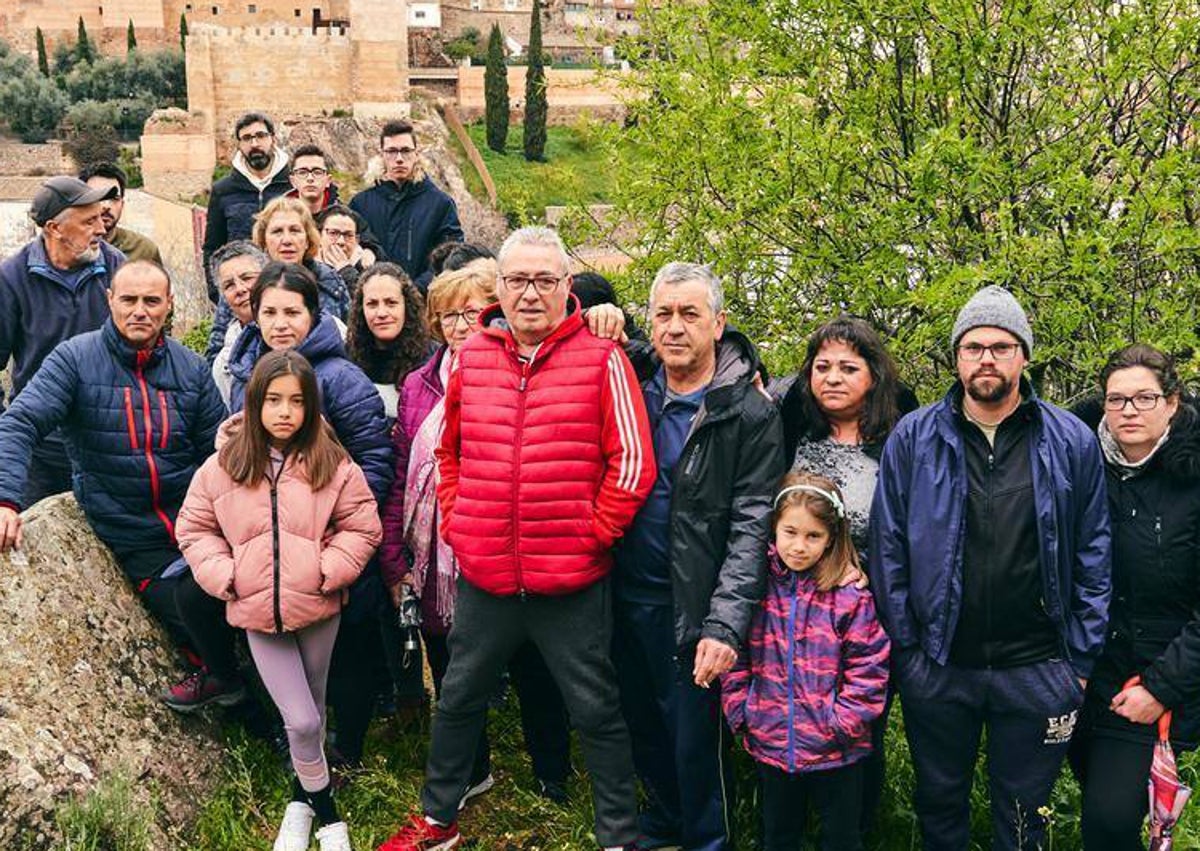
<point>544,462</point>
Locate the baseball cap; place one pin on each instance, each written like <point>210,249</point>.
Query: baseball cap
<point>59,193</point>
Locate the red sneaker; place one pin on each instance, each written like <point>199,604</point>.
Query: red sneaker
<point>419,835</point>
<point>199,690</point>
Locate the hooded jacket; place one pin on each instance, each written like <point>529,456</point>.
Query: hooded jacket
<point>918,527</point>
<point>137,426</point>
<point>279,553</point>
<point>409,220</point>
<point>544,461</point>
<point>721,497</point>
<point>233,203</point>
<point>814,677</point>
<point>1154,618</point>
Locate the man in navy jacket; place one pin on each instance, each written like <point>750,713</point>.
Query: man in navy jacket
<point>52,289</point>
<point>990,566</point>
<point>139,414</point>
<point>407,213</point>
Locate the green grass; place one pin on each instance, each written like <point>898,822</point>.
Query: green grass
<point>577,170</point>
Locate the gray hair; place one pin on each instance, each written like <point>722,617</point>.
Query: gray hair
<point>681,273</point>
<point>535,235</point>
<point>232,250</point>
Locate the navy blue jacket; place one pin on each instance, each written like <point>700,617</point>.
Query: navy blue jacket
<point>334,300</point>
<point>232,205</point>
<point>137,426</point>
<point>409,220</point>
<point>918,523</point>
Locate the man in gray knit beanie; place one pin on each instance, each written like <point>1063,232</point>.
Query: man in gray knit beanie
<point>990,567</point>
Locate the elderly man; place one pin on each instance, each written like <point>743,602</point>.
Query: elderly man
<point>235,268</point>
<point>259,175</point>
<point>693,564</point>
<point>139,414</point>
<point>109,176</point>
<point>407,213</point>
<point>990,565</point>
<point>545,458</point>
<point>55,287</point>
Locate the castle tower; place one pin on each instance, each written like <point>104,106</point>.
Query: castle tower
<point>379,36</point>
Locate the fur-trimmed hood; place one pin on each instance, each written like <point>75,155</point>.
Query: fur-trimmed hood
<point>1180,455</point>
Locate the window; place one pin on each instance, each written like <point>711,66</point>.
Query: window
<point>297,13</point>
<point>215,10</point>
<point>251,9</point>
<point>188,7</point>
<point>510,5</point>
<point>420,14</point>
<point>476,5</point>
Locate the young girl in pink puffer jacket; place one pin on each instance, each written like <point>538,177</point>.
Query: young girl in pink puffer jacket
<point>279,523</point>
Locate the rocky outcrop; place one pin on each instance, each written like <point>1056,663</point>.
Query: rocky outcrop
<point>81,663</point>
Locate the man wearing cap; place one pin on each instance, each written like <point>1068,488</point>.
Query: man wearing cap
<point>53,288</point>
<point>133,245</point>
<point>990,566</point>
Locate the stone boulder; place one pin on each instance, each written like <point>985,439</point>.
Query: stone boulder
<point>81,663</point>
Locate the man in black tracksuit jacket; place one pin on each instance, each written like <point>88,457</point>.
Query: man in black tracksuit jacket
<point>692,567</point>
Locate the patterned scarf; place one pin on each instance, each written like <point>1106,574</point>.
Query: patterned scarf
<point>421,514</point>
<point>1116,456</point>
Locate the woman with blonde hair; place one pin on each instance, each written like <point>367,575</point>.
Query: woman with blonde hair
<point>285,229</point>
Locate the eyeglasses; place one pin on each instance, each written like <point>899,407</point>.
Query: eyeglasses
<point>260,136</point>
<point>1140,401</point>
<point>399,153</point>
<point>450,317</point>
<point>306,173</point>
<point>544,284</point>
<point>338,235</point>
<point>999,351</point>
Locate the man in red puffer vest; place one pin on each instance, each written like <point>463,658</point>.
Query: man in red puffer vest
<point>545,459</point>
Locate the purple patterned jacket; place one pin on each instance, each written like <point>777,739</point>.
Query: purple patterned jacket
<point>815,676</point>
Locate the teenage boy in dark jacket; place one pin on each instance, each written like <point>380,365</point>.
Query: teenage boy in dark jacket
<point>693,565</point>
<point>405,211</point>
<point>990,560</point>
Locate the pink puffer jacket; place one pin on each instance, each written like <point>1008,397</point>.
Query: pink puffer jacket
<point>283,563</point>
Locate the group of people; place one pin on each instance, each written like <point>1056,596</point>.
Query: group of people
<point>658,544</point>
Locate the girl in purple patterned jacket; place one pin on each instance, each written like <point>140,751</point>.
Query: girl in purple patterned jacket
<point>815,675</point>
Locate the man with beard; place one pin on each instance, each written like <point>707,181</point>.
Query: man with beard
<point>50,290</point>
<point>259,175</point>
<point>990,565</point>
<point>134,246</point>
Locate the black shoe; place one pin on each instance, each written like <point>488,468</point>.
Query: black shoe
<point>554,791</point>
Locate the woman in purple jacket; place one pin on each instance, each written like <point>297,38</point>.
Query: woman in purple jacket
<point>815,678</point>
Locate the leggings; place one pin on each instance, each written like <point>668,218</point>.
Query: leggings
<point>1112,774</point>
<point>294,667</point>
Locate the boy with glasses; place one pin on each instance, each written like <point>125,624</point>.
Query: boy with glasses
<point>408,213</point>
<point>312,179</point>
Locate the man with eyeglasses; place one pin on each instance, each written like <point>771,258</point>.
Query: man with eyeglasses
<point>406,211</point>
<point>545,457</point>
<point>259,175</point>
<point>311,180</point>
<point>109,177</point>
<point>989,561</point>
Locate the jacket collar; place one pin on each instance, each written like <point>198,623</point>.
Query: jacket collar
<point>496,326</point>
<point>126,354</point>
<point>950,416</point>
<point>37,261</point>
<point>278,168</point>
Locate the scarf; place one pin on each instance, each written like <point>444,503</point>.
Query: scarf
<point>421,515</point>
<point>1115,456</point>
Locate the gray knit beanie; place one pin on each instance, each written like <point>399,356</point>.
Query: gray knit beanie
<point>994,307</point>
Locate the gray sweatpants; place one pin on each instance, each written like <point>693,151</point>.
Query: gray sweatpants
<point>294,667</point>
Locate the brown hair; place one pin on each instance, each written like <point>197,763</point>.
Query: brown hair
<point>284,204</point>
<point>409,350</point>
<point>1148,357</point>
<point>247,454</point>
<point>840,554</point>
<point>477,278</point>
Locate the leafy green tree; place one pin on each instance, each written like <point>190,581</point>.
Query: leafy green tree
<point>495,92</point>
<point>889,157</point>
<point>183,32</point>
<point>31,105</point>
<point>84,50</point>
<point>42,62</point>
<point>130,38</point>
<point>90,133</point>
<point>535,90</point>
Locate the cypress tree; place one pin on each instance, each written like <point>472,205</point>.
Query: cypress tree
<point>495,92</point>
<point>535,91</point>
<point>83,47</point>
<point>183,32</point>
<point>130,38</point>
<point>43,62</point>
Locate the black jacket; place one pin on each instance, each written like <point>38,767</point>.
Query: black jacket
<point>721,498</point>
<point>801,421</point>
<point>409,220</point>
<point>231,209</point>
<point>1154,617</point>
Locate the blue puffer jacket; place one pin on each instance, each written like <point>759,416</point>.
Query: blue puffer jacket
<point>137,426</point>
<point>409,220</point>
<point>334,300</point>
<point>918,526</point>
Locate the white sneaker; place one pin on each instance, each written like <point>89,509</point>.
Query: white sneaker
<point>296,828</point>
<point>478,789</point>
<point>334,837</point>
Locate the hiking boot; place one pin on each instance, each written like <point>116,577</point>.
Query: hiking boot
<point>334,837</point>
<point>554,791</point>
<point>296,828</point>
<point>419,835</point>
<point>198,690</point>
<point>477,789</point>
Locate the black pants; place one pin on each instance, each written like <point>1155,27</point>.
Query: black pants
<point>573,633</point>
<point>354,684</point>
<point>1112,774</point>
<point>836,795</point>
<point>195,621</point>
<point>1029,712</point>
